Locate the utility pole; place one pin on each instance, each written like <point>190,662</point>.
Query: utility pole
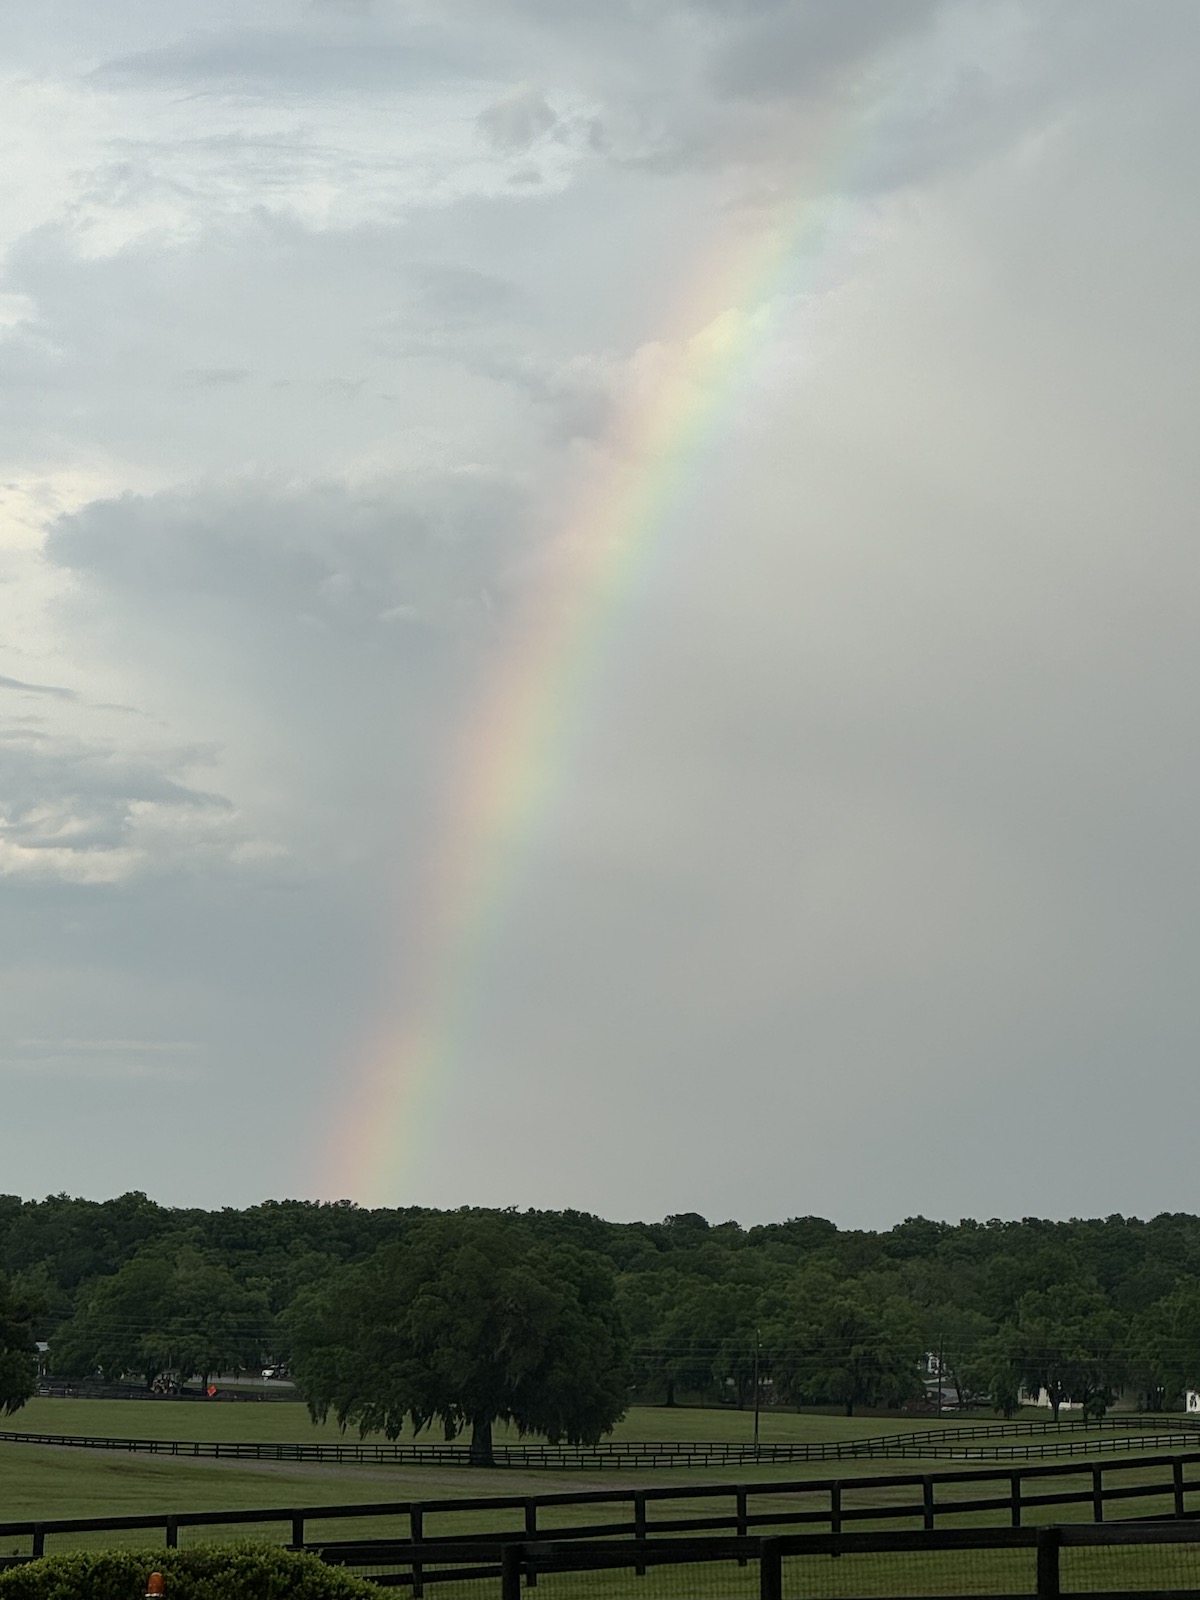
<point>757,1347</point>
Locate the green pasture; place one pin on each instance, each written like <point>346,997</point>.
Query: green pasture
<point>44,1482</point>
<point>288,1422</point>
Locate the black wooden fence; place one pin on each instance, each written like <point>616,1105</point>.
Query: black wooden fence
<point>979,1441</point>
<point>1161,1486</point>
<point>906,1565</point>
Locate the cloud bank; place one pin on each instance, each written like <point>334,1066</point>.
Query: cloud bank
<point>863,883</point>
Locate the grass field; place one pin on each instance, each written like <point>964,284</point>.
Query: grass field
<point>41,1482</point>
<point>289,1422</point>
<point>38,1482</point>
<point>45,1482</point>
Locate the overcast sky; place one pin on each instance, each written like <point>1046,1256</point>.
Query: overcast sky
<point>866,882</point>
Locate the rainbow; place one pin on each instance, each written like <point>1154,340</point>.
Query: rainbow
<point>517,738</point>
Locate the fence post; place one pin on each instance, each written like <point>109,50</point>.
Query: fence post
<point>1097,1493</point>
<point>927,1501</point>
<point>1177,1483</point>
<point>531,1533</point>
<point>172,1533</point>
<point>510,1572</point>
<point>743,1521</point>
<point>416,1532</point>
<point>770,1570</point>
<point>1047,1564</point>
<point>639,1524</point>
<point>835,1508</point>
<point>1015,1498</point>
<point>297,1531</point>
<point>39,1540</point>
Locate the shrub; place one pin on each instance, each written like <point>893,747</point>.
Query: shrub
<point>219,1572</point>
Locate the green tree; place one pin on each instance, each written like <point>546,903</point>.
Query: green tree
<point>1165,1340</point>
<point>171,1308</point>
<point>652,1306</point>
<point>466,1323</point>
<point>107,1334</point>
<point>994,1369</point>
<point>206,1322</point>
<point>18,1357</point>
<point>844,1343</point>
<point>1070,1342</point>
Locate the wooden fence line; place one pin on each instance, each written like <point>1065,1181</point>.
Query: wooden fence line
<point>831,1503</point>
<point>519,1559</point>
<point>932,1443</point>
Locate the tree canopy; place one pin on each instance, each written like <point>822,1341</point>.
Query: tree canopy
<point>18,1364</point>
<point>167,1309</point>
<point>466,1324</point>
<point>1083,1308</point>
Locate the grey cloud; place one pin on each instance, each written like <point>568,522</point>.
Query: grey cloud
<point>882,776</point>
<point>343,625</point>
<point>888,92</point>
<point>110,1046</point>
<point>101,1061</point>
<point>285,553</point>
<point>218,377</point>
<point>461,295</point>
<point>55,691</point>
<point>297,60</point>
<point>90,813</point>
<point>579,407</point>
<point>132,338</point>
<point>788,48</point>
<point>513,122</point>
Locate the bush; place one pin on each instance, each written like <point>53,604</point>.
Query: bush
<point>220,1572</point>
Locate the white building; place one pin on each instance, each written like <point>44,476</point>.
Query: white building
<point>1043,1399</point>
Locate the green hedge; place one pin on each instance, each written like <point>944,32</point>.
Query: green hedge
<point>220,1572</point>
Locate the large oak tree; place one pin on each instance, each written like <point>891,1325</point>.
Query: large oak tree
<point>466,1323</point>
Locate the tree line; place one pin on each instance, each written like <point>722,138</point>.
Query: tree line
<point>555,1321</point>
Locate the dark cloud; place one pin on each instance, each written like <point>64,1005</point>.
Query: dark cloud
<point>788,48</point>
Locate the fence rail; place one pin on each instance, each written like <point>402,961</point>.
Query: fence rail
<point>922,1562</point>
<point>957,1443</point>
<point>1019,1497</point>
<point>777,1559</point>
